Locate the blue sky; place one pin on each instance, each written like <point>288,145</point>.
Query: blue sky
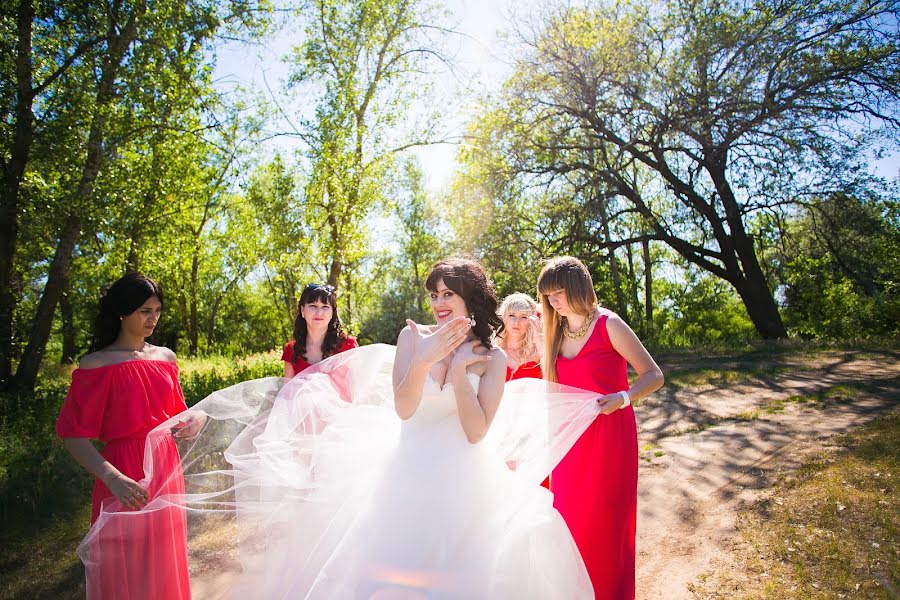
<point>478,51</point>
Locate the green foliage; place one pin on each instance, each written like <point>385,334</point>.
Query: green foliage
<point>202,376</point>
<point>841,269</point>
<point>37,476</point>
<point>699,310</point>
<point>397,279</point>
<point>680,121</point>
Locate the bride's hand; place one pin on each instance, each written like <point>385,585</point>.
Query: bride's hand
<point>432,347</point>
<point>465,355</point>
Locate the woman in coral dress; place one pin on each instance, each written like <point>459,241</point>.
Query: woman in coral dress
<point>318,330</point>
<point>122,390</point>
<point>595,485</point>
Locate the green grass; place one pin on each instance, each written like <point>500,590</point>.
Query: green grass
<point>41,562</point>
<point>830,530</point>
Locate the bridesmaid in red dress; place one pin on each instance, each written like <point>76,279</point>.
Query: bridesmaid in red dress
<point>318,331</point>
<point>121,390</point>
<point>595,485</point>
<point>521,337</point>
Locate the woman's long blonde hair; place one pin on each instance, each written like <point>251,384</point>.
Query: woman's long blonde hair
<point>569,274</point>
<point>531,345</point>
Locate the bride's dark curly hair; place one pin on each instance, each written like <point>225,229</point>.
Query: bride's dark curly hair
<point>466,277</point>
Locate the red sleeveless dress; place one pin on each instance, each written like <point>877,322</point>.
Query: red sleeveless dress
<point>595,485</point>
<point>118,405</point>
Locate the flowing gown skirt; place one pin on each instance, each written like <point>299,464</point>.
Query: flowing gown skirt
<point>314,488</point>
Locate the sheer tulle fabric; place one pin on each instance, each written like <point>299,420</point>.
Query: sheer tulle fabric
<point>314,488</point>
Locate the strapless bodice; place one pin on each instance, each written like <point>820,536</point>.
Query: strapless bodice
<point>438,402</point>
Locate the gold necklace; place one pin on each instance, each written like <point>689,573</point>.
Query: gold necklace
<point>582,331</point>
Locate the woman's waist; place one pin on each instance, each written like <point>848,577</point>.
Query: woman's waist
<point>600,383</point>
<point>136,439</point>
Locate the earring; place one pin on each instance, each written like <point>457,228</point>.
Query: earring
<point>472,319</point>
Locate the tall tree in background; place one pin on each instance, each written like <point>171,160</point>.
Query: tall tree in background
<point>364,58</point>
<point>135,52</point>
<point>47,43</point>
<point>397,279</point>
<point>735,108</point>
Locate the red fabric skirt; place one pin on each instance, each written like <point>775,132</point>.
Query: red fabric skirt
<point>148,558</point>
<point>595,490</point>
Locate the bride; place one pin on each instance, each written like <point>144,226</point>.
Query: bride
<point>314,488</point>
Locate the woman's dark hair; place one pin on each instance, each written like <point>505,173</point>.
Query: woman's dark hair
<point>123,297</point>
<point>466,277</point>
<point>334,336</point>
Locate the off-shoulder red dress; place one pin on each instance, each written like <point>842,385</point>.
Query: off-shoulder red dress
<point>595,486</point>
<point>118,405</point>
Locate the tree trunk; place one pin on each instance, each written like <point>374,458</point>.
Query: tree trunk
<point>761,309</point>
<point>648,287</point>
<point>334,273</point>
<point>613,263</point>
<point>748,278</point>
<point>27,372</point>
<point>69,346</point>
<point>193,328</point>
<point>30,364</point>
<point>633,286</point>
<point>13,173</point>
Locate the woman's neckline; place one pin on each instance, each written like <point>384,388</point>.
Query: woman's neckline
<point>125,362</point>
<point>590,336</point>
<point>447,381</point>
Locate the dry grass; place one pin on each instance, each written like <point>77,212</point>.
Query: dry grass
<point>829,530</point>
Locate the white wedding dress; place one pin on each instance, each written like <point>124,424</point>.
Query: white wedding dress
<point>320,491</point>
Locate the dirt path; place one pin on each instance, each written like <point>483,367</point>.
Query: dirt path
<point>710,449</point>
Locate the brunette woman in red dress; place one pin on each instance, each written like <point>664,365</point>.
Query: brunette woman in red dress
<point>595,485</point>
<point>121,390</point>
<point>318,331</point>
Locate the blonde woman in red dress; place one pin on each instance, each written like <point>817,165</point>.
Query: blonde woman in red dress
<point>318,330</point>
<point>121,390</point>
<point>595,485</point>
<point>521,336</point>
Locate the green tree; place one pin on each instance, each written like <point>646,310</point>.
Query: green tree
<point>734,108</point>
<point>399,273</point>
<point>840,268</point>
<point>141,60</point>
<point>363,58</point>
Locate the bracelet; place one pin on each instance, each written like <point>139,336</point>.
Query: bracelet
<point>626,398</point>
